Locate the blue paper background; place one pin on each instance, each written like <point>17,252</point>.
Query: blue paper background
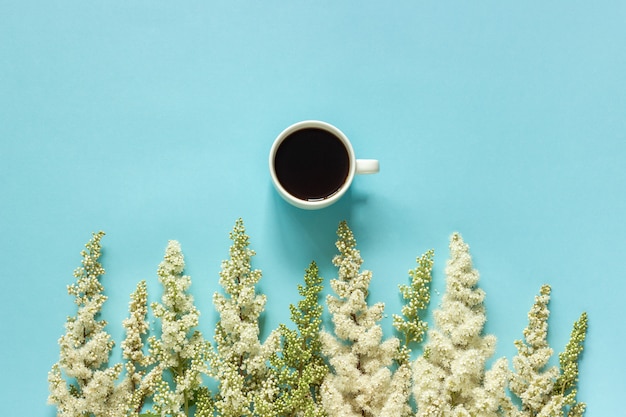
<point>152,120</point>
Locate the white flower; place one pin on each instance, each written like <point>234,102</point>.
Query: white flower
<point>361,381</point>
<point>181,351</point>
<point>450,378</point>
<point>246,384</point>
<point>81,381</point>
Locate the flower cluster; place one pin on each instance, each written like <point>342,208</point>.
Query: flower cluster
<point>301,367</point>
<point>139,382</point>
<point>547,391</point>
<point>181,351</point>
<point>308,371</point>
<point>246,385</point>
<point>531,381</point>
<point>417,298</point>
<point>450,379</point>
<point>362,381</point>
<point>80,382</point>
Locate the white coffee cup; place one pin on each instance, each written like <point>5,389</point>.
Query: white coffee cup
<point>312,164</point>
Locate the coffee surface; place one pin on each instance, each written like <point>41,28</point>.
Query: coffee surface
<point>312,164</point>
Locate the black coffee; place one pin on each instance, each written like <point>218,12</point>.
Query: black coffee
<point>312,164</point>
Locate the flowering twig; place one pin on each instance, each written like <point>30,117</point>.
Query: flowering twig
<point>531,382</point>
<point>181,352</point>
<point>80,382</point>
<point>417,298</point>
<point>362,381</point>
<point>450,377</point>
<point>301,368</point>
<point>566,383</point>
<point>247,385</point>
<point>140,381</point>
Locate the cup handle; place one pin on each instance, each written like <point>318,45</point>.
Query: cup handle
<point>367,166</point>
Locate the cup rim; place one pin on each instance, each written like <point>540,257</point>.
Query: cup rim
<point>317,204</point>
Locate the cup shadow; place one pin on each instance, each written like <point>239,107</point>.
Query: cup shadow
<point>310,231</point>
<point>303,235</point>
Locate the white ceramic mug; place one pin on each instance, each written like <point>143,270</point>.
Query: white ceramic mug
<point>312,164</point>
